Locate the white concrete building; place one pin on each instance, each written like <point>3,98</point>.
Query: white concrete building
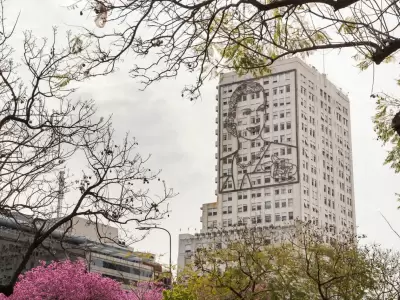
<point>283,153</point>
<point>119,262</point>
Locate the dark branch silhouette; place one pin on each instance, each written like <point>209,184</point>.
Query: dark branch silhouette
<point>42,130</point>
<point>247,36</point>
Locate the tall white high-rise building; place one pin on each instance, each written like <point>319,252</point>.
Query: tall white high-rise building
<point>283,153</point>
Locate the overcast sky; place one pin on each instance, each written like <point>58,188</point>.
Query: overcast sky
<point>180,135</point>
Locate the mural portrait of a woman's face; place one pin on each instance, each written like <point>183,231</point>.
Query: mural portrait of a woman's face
<point>246,124</point>
<point>246,92</point>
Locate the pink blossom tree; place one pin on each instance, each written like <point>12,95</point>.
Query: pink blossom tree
<point>147,291</point>
<point>70,281</point>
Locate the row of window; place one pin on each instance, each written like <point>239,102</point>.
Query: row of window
<point>277,78</point>
<point>256,194</point>
<point>267,180</point>
<point>326,107</point>
<point>325,129</point>
<point>280,126</point>
<point>311,108</point>
<point>311,119</point>
<point>342,119</point>
<point>268,218</point>
<point>280,102</point>
<point>280,90</point>
<point>122,268</point>
<point>267,205</point>
<point>254,220</point>
<point>305,129</point>
<point>345,199</point>
<point>257,119</point>
<point>343,211</point>
<point>257,181</point>
<point>305,154</point>
<point>268,192</point>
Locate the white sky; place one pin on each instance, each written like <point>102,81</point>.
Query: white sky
<point>180,135</point>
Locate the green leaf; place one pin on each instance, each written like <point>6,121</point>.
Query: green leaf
<point>348,28</point>
<point>389,59</point>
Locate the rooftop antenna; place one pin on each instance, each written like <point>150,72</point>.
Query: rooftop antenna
<point>61,185</point>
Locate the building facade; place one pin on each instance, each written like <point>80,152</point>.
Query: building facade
<point>283,153</point>
<point>81,241</point>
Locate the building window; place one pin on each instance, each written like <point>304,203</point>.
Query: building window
<point>242,208</point>
<point>287,88</point>
<point>288,125</point>
<point>212,212</point>
<point>290,215</point>
<point>277,204</point>
<point>268,219</point>
<point>277,217</point>
<point>268,205</point>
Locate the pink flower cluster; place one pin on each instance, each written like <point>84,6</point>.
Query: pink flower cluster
<point>70,281</point>
<point>147,291</point>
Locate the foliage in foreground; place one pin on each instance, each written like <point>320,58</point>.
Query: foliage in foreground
<point>212,36</point>
<point>52,143</point>
<point>70,281</point>
<point>387,127</point>
<point>300,268</point>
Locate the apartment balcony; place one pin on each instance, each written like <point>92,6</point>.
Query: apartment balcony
<point>216,108</point>
<point>216,131</point>
<point>216,120</point>
<point>216,155</point>
<point>216,143</point>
